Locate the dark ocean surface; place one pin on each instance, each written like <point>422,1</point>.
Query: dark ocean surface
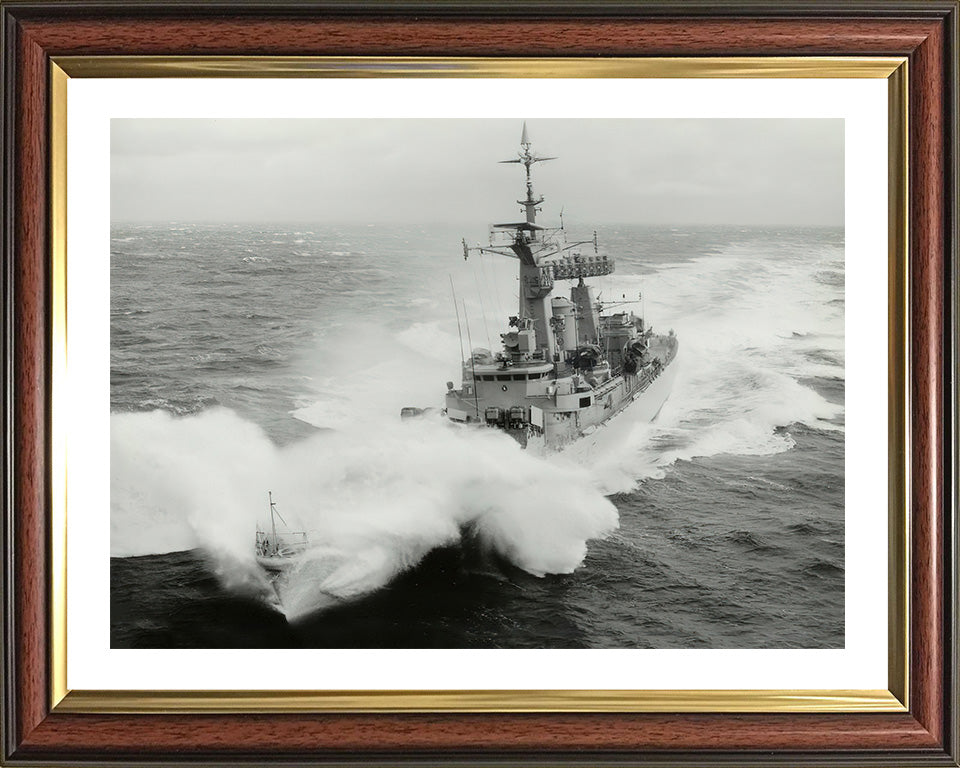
<point>276,357</point>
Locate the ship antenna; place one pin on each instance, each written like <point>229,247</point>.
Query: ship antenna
<point>473,364</point>
<point>496,288</point>
<point>483,313</point>
<point>576,332</point>
<point>527,159</point>
<point>273,522</point>
<point>457,310</point>
<point>643,304</point>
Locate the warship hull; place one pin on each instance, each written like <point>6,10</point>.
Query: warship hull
<point>277,564</point>
<point>625,398</point>
<point>644,407</point>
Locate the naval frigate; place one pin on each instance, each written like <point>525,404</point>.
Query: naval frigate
<point>566,369</point>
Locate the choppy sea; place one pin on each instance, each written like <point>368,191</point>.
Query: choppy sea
<point>248,359</point>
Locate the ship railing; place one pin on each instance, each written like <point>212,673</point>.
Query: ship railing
<point>286,543</point>
<point>649,375</point>
<point>607,386</point>
<point>501,238</point>
<point>542,281</point>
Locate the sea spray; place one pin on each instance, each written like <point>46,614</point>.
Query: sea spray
<point>377,500</point>
<point>175,482</point>
<point>399,366</point>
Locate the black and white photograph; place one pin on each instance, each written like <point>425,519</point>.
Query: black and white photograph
<point>532,383</point>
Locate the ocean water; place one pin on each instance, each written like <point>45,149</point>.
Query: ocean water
<point>256,358</point>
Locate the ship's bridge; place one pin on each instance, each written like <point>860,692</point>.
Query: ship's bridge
<point>496,385</point>
<point>496,372</point>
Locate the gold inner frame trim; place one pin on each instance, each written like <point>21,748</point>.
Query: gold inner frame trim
<point>429,66</point>
<point>58,393</point>
<point>234,702</point>
<point>898,393</point>
<point>893,69</point>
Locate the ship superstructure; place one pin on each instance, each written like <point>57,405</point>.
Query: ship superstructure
<point>277,551</point>
<point>566,368</point>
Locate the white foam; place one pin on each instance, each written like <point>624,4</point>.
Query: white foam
<point>381,500</point>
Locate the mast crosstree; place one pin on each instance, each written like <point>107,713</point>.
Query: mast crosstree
<point>527,158</point>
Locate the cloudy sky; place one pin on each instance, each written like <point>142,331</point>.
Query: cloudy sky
<point>656,171</point>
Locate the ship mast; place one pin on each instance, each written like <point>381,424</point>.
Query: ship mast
<point>527,158</point>
<point>273,522</point>
<point>535,284</point>
<point>544,257</point>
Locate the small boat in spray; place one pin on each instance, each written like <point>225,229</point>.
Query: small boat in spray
<point>294,567</point>
<point>277,552</point>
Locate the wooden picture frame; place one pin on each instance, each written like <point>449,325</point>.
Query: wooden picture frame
<point>38,729</point>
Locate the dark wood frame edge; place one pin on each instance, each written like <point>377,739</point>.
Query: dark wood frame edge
<point>7,138</point>
<point>928,736</point>
<point>542,9</point>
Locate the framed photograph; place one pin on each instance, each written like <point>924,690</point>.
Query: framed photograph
<point>464,384</point>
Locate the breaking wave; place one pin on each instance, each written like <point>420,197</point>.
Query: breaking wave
<point>376,503</point>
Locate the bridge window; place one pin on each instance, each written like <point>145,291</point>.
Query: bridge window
<point>584,402</point>
<point>488,378</point>
<point>519,376</point>
<point>503,378</point>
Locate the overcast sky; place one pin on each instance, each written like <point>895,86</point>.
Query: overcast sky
<point>658,171</point>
